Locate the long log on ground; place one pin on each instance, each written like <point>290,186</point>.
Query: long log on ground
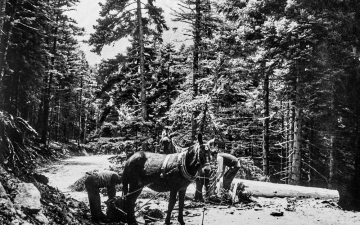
<point>267,189</point>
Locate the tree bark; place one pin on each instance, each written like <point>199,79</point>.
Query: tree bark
<point>7,36</point>
<point>2,17</point>
<point>45,128</point>
<point>80,108</point>
<point>197,40</point>
<point>332,152</point>
<point>296,154</point>
<point>267,189</point>
<point>141,66</point>
<point>266,122</point>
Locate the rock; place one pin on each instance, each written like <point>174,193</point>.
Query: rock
<point>5,203</point>
<point>16,222</point>
<point>41,218</point>
<point>277,213</point>
<point>26,223</point>
<point>3,193</point>
<point>7,207</point>
<point>20,213</point>
<point>28,197</point>
<point>20,222</point>
<point>41,178</point>
<point>151,206</point>
<point>154,213</point>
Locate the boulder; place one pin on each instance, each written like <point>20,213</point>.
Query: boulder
<point>7,207</point>
<point>19,222</point>
<point>3,193</point>
<point>28,198</point>
<point>41,218</point>
<point>41,178</point>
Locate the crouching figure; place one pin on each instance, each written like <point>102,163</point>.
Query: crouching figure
<point>225,160</point>
<point>102,179</point>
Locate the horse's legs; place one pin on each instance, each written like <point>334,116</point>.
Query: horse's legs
<point>198,191</point>
<point>171,205</point>
<point>134,192</point>
<point>181,206</point>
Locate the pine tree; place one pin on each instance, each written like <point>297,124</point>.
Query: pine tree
<point>113,27</point>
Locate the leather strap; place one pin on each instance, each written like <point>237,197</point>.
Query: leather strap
<point>163,167</point>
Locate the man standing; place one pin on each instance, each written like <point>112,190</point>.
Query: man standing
<point>98,180</point>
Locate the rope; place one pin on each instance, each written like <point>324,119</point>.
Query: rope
<point>148,201</point>
<point>184,170</point>
<point>124,196</point>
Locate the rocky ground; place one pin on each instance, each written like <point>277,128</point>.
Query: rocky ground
<point>269,211</point>
<point>30,194</point>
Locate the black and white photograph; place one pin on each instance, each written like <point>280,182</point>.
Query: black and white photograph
<point>188,112</point>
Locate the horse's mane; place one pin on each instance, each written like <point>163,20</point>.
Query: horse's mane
<point>196,149</point>
<point>178,148</point>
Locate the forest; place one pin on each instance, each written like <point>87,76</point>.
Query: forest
<point>273,80</point>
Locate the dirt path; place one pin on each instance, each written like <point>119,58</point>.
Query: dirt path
<point>307,211</point>
<point>66,172</point>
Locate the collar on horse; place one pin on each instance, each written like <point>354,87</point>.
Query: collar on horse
<point>182,167</point>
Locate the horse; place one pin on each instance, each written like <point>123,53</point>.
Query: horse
<point>167,146</point>
<point>163,173</point>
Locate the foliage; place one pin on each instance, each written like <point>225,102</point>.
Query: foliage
<point>307,50</point>
<point>18,154</point>
<point>243,196</point>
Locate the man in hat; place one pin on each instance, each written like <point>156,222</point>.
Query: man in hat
<point>93,183</point>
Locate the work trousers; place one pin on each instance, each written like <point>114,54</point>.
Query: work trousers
<point>229,177</point>
<point>92,187</point>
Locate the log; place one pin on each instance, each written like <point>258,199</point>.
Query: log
<point>270,190</point>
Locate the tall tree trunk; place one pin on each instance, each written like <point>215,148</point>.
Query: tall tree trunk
<point>80,108</point>
<point>45,123</point>
<point>296,157</point>
<point>266,121</point>
<point>5,39</point>
<point>355,183</point>
<point>283,150</point>
<point>57,127</point>
<point>197,40</point>
<point>311,140</point>
<point>289,130</point>
<point>2,16</point>
<point>332,127</point>
<point>168,89</point>
<point>141,67</point>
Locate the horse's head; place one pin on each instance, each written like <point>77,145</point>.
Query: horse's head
<point>203,155</point>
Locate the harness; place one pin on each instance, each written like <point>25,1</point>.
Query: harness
<point>163,167</point>
<point>182,167</point>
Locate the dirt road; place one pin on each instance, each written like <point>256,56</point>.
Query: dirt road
<point>306,211</point>
<point>65,172</point>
